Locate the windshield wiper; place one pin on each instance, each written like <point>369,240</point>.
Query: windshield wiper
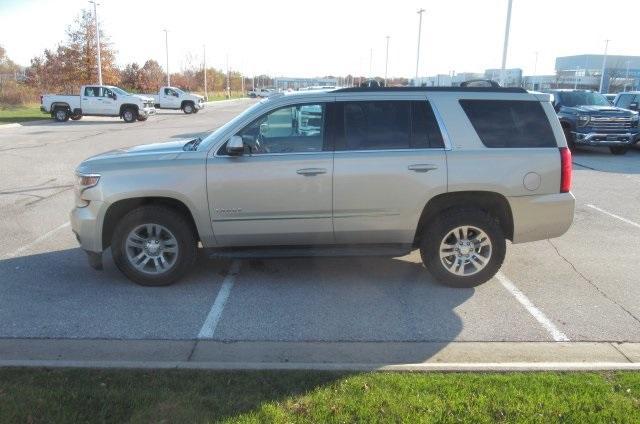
<point>192,145</point>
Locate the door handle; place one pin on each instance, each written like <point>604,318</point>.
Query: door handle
<point>311,171</point>
<point>422,167</point>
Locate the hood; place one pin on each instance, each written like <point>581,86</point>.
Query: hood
<point>598,110</point>
<point>143,97</point>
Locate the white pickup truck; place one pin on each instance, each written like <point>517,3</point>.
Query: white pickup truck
<point>98,100</point>
<point>174,98</point>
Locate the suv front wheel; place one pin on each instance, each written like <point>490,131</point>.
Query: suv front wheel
<point>154,246</point>
<point>463,247</point>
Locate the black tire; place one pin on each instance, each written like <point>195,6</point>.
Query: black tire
<point>618,150</point>
<point>188,108</point>
<point>196,110</point>
<point>142,118</point>
<point>61,114</point>
<point>442,226</point>
<point>129,115</point>
<point>76,117</point>
<point>570,143</point>
<point>178,226</point>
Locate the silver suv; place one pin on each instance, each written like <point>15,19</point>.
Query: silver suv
<point>454,172</point>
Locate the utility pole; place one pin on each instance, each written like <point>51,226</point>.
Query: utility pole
<point>95,15</point>
<point>166,48</point>
<point>204,65</point>
<point>535,71</point>
<point>228,81</point>
<point>604,64</point>
<point>575,79</point>
<point>506,42</point>
<point>386,62</point>
<point>370,63</point>
<point>420,12</point>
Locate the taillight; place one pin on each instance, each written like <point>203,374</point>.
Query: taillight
<point>565,170</point>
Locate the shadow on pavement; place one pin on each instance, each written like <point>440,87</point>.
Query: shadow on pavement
<point>600,159</point>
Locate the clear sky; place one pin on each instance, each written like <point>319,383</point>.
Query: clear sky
<point>303,38</point>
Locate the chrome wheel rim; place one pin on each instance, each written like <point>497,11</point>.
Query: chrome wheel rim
<point>151,249</point>
<point>188,109</point>
<point>465,250</point>
<point>128,115</point>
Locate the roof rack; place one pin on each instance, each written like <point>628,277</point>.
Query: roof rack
<point>445,89</point>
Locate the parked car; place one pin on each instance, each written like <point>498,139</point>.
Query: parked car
<point>356,171</point>
<point>262,92</point>
<point>588,119</point>
<point>98,100</point>
<point>174,98</point>
<point>628,100</point>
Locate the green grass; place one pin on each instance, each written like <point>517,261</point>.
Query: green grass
<point>120,396</point>
<point>217,96</point>
<point>9,115</point>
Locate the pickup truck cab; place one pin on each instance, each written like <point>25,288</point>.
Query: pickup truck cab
<point>174,98</point>
<point>355,171</point>
<point>588,118</point>
<point>98,100</point>
<point>628,100</point>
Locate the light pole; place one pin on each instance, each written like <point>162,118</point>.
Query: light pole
<point>166,48</point>
<point>370,63</point>
<point>604,64</point>
<point>506,42</point>
<point>386,62</point>
<point>228,81</point>
<point>575,79</point>
<point>204,65</point>
<point>95,15</point>
<point>420,12</point>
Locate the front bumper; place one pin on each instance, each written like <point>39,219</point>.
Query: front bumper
<point>199,105</point>
<point>540,217</point>
<point>86,224</point>
<point>147,111</point>
<point>605,139</point>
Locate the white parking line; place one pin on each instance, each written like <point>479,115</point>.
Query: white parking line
<point>613,215</point>
<point>557,335</point>
<point>34,242</point>
<point>210,324</point>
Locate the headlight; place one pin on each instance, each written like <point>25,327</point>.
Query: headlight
<point>84,182</point>
<point>635,118</point>
<point>583,120</point>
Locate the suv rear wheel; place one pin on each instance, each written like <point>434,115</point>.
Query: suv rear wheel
<point>154,246</point>
<point>463,247</point>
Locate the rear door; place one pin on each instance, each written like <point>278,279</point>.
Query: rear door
<point>389,161</point>
<point>91,103</point>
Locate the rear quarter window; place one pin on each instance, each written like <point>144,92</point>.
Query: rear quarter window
<point>509,123</point>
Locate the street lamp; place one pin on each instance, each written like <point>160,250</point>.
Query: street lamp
<point>166,48</point>
<point>386,62</point>
<point>506,42</point>
<point>604,64</point>
<point>95,15</point>
<point>626,78</point>
<point>420,12</point>
<point>204,66</point>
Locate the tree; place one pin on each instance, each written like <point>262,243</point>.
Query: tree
<point>74,62</point>
<point>151,76</point>
<point>130,77</point>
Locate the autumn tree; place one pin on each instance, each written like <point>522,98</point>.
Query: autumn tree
<point>151,76</point>
<point>74,62</point>
<point>130,77</point>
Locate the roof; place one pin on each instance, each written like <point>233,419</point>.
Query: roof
<point>431,89</point>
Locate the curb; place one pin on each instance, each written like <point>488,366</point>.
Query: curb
<point>18,124</point>
<point>319,355</point>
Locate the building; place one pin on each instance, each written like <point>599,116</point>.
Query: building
<point>507,78</point>
<point>585,71</point>
<point>443,80</point>
<point>285,83</point>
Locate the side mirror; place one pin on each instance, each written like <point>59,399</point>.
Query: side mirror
<point>633,106</point>
<point>176,95</point>
<point>235,146</point>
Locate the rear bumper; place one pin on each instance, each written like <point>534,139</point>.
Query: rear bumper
<point>605,139</point>
<point>541,217</point>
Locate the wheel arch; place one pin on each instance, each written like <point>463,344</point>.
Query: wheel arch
<point>185,102</point>
<point>120,208</point>
<point>128,105</point>
<point>495,204</point>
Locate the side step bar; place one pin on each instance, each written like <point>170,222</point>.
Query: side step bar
<point>311,251</point>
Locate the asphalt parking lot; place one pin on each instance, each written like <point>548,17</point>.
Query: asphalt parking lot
<point>581,287</point>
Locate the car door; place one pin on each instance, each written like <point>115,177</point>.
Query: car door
<point>169,99</point>
<point>389,161</point>
<point>109,104</point>
<point>280,191</point>
<point>92,101</point>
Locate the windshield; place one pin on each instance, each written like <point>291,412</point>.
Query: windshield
<point>119,91</point>
<point>583,98</point>
<point>178,90</point>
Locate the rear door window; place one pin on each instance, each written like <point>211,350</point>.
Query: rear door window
<point>510,123</point>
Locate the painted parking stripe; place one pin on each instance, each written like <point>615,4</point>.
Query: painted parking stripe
<point>211,322</point>
<point>553,331</point>
<point>613,215</point>
<point>28,246</point>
